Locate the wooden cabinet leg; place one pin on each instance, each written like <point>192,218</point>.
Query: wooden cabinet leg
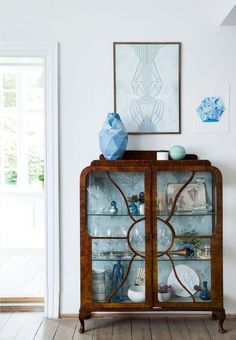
<point>214,316</point>
<point>220,315</point>
<point>83,314</point>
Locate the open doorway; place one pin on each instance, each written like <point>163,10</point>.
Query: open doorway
<point>22,162</point>
<point>29,214</point>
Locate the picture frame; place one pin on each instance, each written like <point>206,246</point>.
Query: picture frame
<point>193,197</point>
<point>147,86</point>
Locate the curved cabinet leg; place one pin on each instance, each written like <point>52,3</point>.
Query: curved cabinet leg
<point>214,316</point>
<point>83,314</point>
<point>220,315</point>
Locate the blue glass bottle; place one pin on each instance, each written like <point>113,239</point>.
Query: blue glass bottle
<point>133,208</point>
<point>204,294</point>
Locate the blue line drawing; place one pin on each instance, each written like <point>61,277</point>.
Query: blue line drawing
<point>147,110</point>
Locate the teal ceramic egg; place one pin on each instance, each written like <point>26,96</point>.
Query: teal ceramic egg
<point>177,152</point>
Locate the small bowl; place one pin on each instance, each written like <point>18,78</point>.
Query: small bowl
<point>137,293</point>
<point>162,297</point>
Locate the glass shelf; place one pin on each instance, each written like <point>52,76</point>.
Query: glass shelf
<point>125,301</point>
<point>161,214</point>
<point>114,215</point>
<point>185,259</point>
<point>100,259</point>
<point>161,258</point>
<point>175,298</point>
<point>188,213</point>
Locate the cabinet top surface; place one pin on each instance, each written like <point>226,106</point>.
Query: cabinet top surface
<point>148,158</point>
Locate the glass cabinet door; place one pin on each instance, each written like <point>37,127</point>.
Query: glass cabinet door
<point>186,222</point>
<point>116,223</point>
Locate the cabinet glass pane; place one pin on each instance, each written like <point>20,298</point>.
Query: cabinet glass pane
<point>186,219</point>
<point>192,274</point>
<point>195,207</point>
<point>116,224</point>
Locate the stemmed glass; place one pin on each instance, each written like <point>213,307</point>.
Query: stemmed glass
<point>163,238</point>
<point>124,234</point>
<point>109,241</point>
<point>96,249</point>
<point>96,201</point>
<point>138,239</point>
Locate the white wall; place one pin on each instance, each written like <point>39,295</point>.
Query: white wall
<point>86,30</point>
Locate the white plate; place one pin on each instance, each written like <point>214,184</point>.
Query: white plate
<point>187,276</point>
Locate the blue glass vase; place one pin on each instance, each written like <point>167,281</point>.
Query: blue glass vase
<point>204,294</point>
<point>113,137</point>
<point>133,208</point>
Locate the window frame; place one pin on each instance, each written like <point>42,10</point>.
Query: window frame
<point>21,169</point>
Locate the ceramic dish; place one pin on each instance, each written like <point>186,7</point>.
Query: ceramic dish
<point>187,276</point>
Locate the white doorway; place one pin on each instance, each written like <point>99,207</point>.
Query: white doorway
<point>29,221</point>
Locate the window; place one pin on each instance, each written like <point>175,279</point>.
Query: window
<point>21,123</point>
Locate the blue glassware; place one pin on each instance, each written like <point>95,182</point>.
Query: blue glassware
<point>133,208</point>
<point>204,294</point>
<point>113,209</point>
<point>113,137</point>
<point>117,277</point>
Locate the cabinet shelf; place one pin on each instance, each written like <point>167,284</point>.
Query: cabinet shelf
<point>115,259</point>
<point>179,259</point>
<point>188,213</point>
<point>160,214</point>
<point>173,298</point>
<point>114,215</point>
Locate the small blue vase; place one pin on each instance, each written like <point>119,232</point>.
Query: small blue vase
<point>133,208</point>
<point>113,137</point>
<point>204,294</point>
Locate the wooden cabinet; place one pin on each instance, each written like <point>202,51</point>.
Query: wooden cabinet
<point>148,227</point>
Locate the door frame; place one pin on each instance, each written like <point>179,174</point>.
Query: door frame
<point>49,53</point>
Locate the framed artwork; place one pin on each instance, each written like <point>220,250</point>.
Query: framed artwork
<point>147,86</point>
<point>211,108</point>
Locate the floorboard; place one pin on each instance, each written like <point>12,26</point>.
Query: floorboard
<point>4,318</point>
<point>30,326</point>
<point>178,329</point>
<point>141,329</point>
<point>21,272</point>
<point>13,325</point>
<point>159,328</point>
<point>88,335</point>
<point>66,329</point>
<point>122,329</point>
<point>197,329</point>
<point>103,329</point>
<point>33,326</point>
<point>230,325</point>
<point>47,330</point>
<point>212,327</point>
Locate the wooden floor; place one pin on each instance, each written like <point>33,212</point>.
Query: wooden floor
<point>29,326</point>
<point>21,272</point>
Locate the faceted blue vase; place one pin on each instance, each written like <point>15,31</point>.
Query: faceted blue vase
<point>113,137</point>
